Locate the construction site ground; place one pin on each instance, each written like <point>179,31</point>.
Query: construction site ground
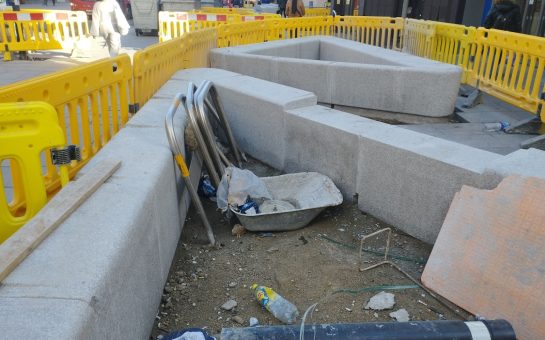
<point>316,264</point>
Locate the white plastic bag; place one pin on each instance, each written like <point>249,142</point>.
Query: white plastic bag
<point>236,185</point>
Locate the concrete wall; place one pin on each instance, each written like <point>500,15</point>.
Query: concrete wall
<point>403,177</point>
<point>100,275</point>
<point>348,73</point>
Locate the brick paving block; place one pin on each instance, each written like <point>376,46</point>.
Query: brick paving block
<point>489,257</point>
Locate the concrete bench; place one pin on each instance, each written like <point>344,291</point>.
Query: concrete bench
<point>348,73</point>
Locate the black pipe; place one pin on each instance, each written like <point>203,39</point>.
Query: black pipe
<point>412,330</point>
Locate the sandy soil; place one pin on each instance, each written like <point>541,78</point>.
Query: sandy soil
<point>319,263</point>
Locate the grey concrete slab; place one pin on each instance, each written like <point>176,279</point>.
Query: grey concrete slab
<point>473,134</point>
<point>492,110</point>
<point>45,315</point>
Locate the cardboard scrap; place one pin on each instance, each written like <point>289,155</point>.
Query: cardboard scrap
<point>489,257</point>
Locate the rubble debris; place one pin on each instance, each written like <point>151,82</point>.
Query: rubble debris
<point>381,301</point>
<point>254,322</point>
<point>229,305</point>
<point>238,319</point>
<point>400,315</point>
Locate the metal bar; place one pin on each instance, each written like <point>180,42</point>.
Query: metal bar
<point>204,124</point>
<point>226,126</point>
<point>198,135</point>
<point>177,152</point>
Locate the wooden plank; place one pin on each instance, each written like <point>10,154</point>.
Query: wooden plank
<point>16,248</point>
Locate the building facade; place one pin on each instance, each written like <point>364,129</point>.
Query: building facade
<point>470,13</point>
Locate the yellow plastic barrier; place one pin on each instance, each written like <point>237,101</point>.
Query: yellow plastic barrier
<point>510,66</point>
<point>243,33</point>
<point>418,37</point>
<point>26,130</point>
<point>299,27</point>
<point>221,10</point>
<point>92,103</point>
<point>176,24</point>
<point>317,12</point>
<point>31,30</point>
<point>155,64</point>
<point>454,44</point>
<point>383,32</point>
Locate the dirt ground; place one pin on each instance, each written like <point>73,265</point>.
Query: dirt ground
<point>305,266</point>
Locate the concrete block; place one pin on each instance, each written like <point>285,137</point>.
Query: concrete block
<point>409,179</point>
<point>200,74</point>
<point>307,75</point>
<point>326,141</point>
<point>169,90</point>
<point>489,257</point>
<point>528,163</point>
<point>362,76</point>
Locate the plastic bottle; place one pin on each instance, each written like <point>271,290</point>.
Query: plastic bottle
<point>281,308</point>
<point>500,126</point>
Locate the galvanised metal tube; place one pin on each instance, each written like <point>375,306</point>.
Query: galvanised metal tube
<point>178,156</point>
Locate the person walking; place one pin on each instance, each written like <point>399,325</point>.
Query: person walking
<point>110,23</point>
<point>504,15</point>
<point>295,9</point>
<point>282,8</point>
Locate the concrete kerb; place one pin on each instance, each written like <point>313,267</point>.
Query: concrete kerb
<point>100,274</point>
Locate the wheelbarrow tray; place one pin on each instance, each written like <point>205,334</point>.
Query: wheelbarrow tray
<point>308,192</point>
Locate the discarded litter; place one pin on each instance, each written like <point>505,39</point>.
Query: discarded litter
<point>206,188</point>
<point>189,334</point>
<point>281,308</point>
<point>500,126</point>
<point>250,207</point>
<point>238,230</point>
<point>381,301</point>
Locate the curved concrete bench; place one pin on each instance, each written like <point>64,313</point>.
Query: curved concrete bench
<point>348,73</point>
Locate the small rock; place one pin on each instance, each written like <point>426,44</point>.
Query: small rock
<point>400,315</point>
<point>238,319</point>
<point>180,273</point>
<point>381,301</point>
<point>160,337</point>
<point>199,270</point>
<point>375,315</point>
<point>232,284</point>
<point>168,304</point>
<point>253,322</point>
<point>193,276</point>
<point>229,305</point>
<point>168,289</point>
<point>272,250</point>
